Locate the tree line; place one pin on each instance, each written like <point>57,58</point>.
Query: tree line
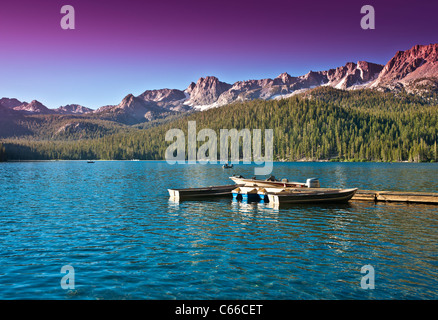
<point>326,124</point>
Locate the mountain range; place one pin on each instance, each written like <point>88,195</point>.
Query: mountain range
<point>414,71</point>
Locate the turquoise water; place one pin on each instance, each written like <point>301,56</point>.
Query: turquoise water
<point>113,222</point>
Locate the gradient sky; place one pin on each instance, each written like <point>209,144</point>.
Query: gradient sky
<point>122,47</point>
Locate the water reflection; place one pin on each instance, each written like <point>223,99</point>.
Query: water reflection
<point>115,222</point>
<point>244,206</point>
<point>173,204</point>
<point>340,176</point>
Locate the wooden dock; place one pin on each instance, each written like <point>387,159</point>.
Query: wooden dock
<point>396,196</point>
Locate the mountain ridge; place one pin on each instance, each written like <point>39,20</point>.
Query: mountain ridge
<point>412,70</point>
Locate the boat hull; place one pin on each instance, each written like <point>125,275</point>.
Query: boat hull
<point>264,183</point>
<point>200,193</point>
<point>343,195</point>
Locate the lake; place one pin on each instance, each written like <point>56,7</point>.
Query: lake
<point>114,224</point>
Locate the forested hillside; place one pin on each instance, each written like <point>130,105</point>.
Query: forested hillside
<point>324,124</point>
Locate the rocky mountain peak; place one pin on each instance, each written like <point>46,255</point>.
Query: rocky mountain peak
<point>11,103</point>
<point>207,79</point>
<point>34,107</point>
<point>167,99</point>
<point>369,71</point>
<point>191,86</point>
<point>73,109</point>
<point>421,61</point>
<point>163,95</point>
<point>128,98</point>
<point>131,110</point>
<point>285,78</point>
<point>206,91</point>
<point>312,79</point>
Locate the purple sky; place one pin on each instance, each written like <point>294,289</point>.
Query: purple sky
<point>122,47</point>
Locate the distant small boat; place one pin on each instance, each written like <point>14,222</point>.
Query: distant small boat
<point>285,196</point>
<point>90,161</point>
<point>227,166</point>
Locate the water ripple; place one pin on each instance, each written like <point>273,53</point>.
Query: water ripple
<point>114,223</point>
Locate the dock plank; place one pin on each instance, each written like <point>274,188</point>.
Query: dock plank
<point>396,196</point>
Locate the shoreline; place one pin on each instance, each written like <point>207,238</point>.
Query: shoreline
<point>218,162</point>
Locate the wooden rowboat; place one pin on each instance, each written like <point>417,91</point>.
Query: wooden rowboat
<point>267,183</point>
<point>205,192</point>
<point>285,196</point>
